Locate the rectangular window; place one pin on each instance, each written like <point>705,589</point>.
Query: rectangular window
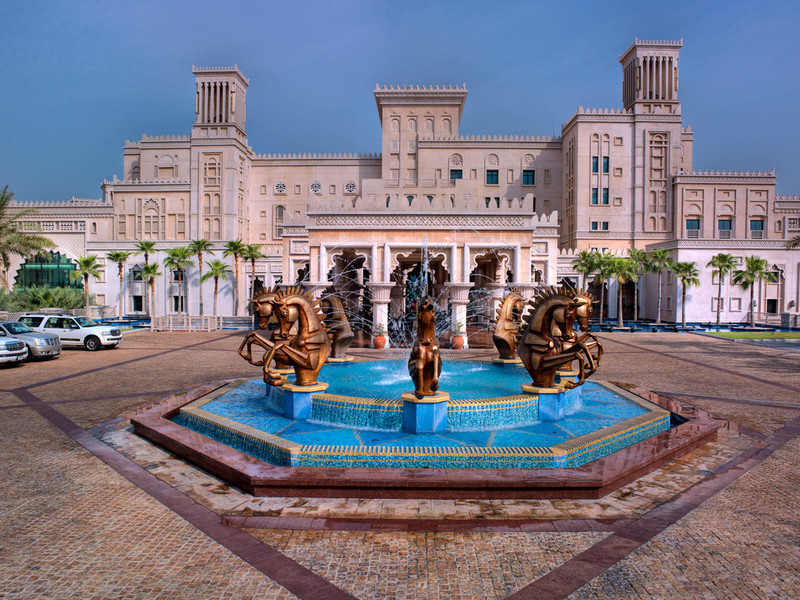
<point>121,223</point>
<point>529,177</point>
<point>456,174</point>
<point>604,225</point>
<point>714,303</point>
<point>546,176</point>
<point>756,229</point>
<point>510,176</point>
<point>594,226</point>
<point>724,227</point>
<point>177,303</point>
<point>594,195</point>
<point>736,305</point>
<point>138,303</point>
<point>605,164</point>
<point>594,164</point>
<point>605,195</point>
<point>693,228</point>
<point>491,177</point>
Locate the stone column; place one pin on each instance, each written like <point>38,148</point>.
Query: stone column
<point>380,305</point>
<point>459,298</point>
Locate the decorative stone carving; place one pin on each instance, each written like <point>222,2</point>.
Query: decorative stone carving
<point>492,160</point>
<point>456,160</point>
<point>528,160</point>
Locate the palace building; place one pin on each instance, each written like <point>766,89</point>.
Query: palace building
<point>470,214</point>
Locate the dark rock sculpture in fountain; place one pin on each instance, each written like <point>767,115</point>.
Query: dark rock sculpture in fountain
<point>507,327</point>
<point>425,364</point>
<point>338,325</point>
<point>548,341</point>
<point>306,349</point>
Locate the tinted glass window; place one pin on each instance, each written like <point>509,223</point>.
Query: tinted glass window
<point>14,328</point>
<point>31,321</point>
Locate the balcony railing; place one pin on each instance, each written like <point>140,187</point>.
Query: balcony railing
<point>724,234</point>
<point>756,234</point>
<point>693,234</point>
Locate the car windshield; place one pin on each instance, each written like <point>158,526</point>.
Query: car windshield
<point>84,322</point>
<point>15,328</point>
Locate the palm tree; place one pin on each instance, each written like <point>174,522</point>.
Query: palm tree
<point>604,270</point>
<point>86,266</point>
<point>660,260</point>
<point>688,275</point>
<point>197,247</point>
<point>724,264</point>
<point>793,243</point>
<point>755,269</point>
<point>586,263</point>
<point>623,270</point>
<point>218,270</point>
<point>177,259</point>
<point>149,274</point>
<point>235,248</point>
<point>146,248</point>
<point>12,239</point>
<point>119,257</point>
<point>640,260</point>
<point>252,252</point>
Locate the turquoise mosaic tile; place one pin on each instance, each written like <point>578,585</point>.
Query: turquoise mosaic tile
<point>368,429</point>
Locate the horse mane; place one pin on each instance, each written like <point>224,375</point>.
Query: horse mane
<point>297,291</point>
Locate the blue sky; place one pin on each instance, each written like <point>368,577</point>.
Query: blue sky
<point>81,77</point>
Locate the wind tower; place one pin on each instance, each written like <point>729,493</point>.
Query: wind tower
<point>650,76</point>
<point>220,154</point>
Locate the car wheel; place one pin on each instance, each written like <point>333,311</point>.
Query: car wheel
<point>92,343</point>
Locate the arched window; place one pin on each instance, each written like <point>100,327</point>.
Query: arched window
<point>447,125</point>
<point>215,206</point>
<point>216,232</point>
<point>207,203</point>
<point>151,222</point>
<point>207,229</point>
<point>135,173</point>
<point>211,172</point>
<point>410,199</point>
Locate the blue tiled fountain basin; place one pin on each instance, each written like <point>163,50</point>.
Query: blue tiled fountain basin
<point>357,421</point>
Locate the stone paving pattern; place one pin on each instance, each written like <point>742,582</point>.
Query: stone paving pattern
<point>73,527</point>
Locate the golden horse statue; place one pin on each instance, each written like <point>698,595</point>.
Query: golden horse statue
<point>507,326</point>
<point>263,310</point>
<point>338,325</point>
<point>305,349</point>
<point>425,364</point>
<point>549,341</point>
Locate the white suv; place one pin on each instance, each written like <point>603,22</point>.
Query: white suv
<point>75,331</point>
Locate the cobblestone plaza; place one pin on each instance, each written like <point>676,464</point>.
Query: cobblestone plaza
<point>91,511</point>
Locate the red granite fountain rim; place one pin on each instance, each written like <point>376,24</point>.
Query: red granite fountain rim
<point>263,479</point>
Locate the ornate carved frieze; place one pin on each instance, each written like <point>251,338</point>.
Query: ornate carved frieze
<point>423,221</point>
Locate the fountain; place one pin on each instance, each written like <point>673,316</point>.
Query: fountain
<point>496,419</point>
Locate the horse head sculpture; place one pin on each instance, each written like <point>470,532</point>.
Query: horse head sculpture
<point>306,350</point>
<point>425,364</point>
<point>549,342</point>
<point>507,325</point>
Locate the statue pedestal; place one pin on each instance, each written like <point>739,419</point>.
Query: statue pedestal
<point>507,362</point>
<point>554,402</point>
<point>425,415</point>
<point>343,360</point>
<point>297,399</point>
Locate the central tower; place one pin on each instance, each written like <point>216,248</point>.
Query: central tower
<point>650,76</point>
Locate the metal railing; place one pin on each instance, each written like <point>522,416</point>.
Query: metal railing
<point>199,323</point>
